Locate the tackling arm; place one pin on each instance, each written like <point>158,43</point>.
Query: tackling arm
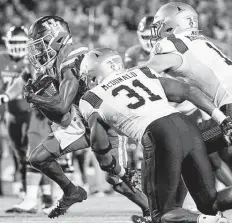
<point>60,103</point>
<point>98,132</point>
<point>178,91</point>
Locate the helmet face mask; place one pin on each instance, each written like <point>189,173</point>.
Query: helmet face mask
<point>16,41</point>
<point>47,36</point>
<point>40,53</point>
<point>174,17</point>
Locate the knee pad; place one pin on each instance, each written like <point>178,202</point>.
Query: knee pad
<point>110,168</point>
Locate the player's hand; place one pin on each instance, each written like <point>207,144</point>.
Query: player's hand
<point>78,61</point>
<point>4,98</point>
<point>130,179</point>
<point>227,130</point>
<point>28,90</point>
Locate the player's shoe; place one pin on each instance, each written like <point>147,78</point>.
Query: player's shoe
<point>140,219</point>
<point>65,202</point>
<point>26,206</point>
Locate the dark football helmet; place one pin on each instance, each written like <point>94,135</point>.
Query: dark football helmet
<point>144,32</point>
<point>16,41</point>
<point>47,36</point>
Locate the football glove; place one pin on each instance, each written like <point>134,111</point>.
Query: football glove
<point>4,98</point>
<point>131,178</point>
<point>28,90</point>
<point>227,130</point>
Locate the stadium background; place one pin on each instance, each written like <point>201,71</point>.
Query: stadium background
<point>110,23</point>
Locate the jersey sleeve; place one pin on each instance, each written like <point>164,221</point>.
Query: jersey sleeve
<point>163,46</point>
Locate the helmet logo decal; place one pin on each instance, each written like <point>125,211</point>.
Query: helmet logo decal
<point>52,25</point>
<point>192,22</point>
<point>158,48</point>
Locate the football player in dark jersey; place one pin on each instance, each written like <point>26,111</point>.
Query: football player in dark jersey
<point>54,54</point>
<point>13,64</point>
<point>139,54</point>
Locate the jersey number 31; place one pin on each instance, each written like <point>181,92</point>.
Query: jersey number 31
<point>132,93</point>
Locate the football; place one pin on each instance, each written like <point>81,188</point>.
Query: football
<point>46,86</point>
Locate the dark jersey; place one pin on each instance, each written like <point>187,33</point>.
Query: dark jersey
<point>135,56</point>
<point>10,70</point>
<point>65,61</point>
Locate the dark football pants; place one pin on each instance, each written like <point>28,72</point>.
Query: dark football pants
<point>179,149</point>
<point>18,126</point>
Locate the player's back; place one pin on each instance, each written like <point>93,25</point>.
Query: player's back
<point>135,56</point>
<point>205,65</point>
<point>130,101</point>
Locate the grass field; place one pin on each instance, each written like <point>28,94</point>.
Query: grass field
<point>108,209</point>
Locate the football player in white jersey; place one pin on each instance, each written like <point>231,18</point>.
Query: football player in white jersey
<point>181,49</point>
<point>135,103</point>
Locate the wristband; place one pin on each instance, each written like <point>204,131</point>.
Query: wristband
<point>122,172</point>
<point>218,116</point>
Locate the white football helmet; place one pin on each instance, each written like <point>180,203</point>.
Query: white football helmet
<point>98,64</point>
<point>16,41</point>
<point>144,33</point>
<point>174,18</point>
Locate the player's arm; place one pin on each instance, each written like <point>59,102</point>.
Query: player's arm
<point>179,91</point>
<point>98,132</point>
<point>164,62</point>
<point>60,103</point>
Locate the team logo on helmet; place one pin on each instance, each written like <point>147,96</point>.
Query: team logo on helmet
<point>158,48</point>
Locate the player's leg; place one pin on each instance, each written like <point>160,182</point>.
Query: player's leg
<point>221,169</point>
<point>44,157</point>
<point>173,136</point>
<point>38,129</point>
<point>18,127</point>
<point>119,151</point>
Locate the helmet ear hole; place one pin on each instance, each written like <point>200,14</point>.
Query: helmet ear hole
<point>169,30</point>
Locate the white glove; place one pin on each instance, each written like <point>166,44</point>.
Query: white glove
<point>4,98</point>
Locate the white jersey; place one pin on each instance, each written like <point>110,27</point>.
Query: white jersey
<point>203,64</point>
<point>128,102</point>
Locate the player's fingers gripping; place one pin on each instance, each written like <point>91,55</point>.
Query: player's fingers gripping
<point>227,130</point>
<point>78,61</point>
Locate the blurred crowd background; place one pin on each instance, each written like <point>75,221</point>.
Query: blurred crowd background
<point>113,22</point>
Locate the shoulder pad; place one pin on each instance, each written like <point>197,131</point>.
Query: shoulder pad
<point>170,44</point>
<point>67,56</point>
<point>163,46</point>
